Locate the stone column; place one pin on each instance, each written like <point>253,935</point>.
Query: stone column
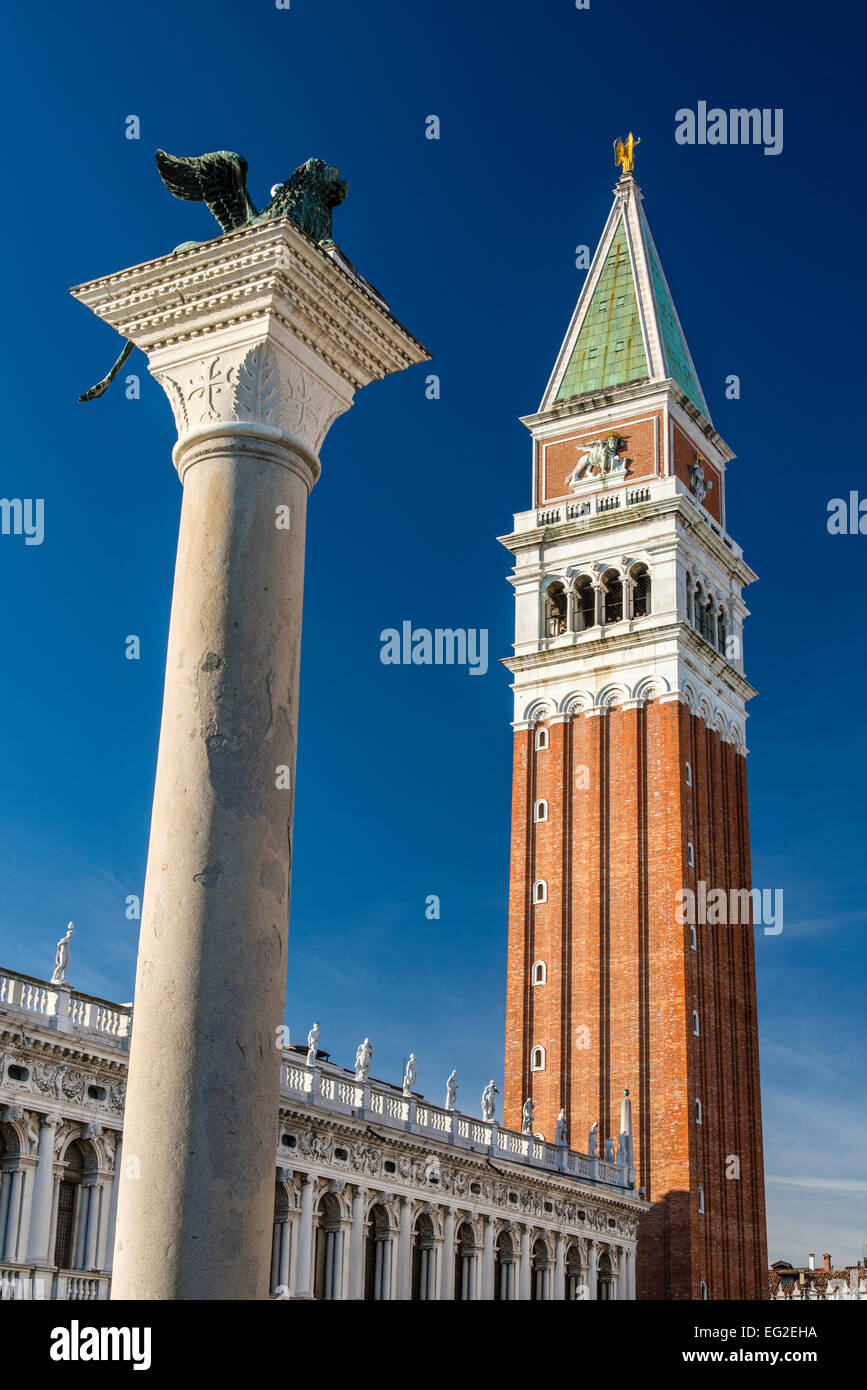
<point>112,1210</point>
<point>447,1267</point>
<point>13,1212</point>
<point>630,1274</point>
<point>260,341</point>
<point>356,1245</point>
<point>404,1249</point>
<point>591,1269</point>
<point>525,1270</point>
<point>559,1268</point>
<point>488,1271</point>
<point>29,1164</point>
<point>303,1269</point>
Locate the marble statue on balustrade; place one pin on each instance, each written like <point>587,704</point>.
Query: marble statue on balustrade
<point>61,959</point>
<point>527,1117</point>
<point>312,1045</point>
<point>560,1128</point>
<point>410,1075</point>
<point>489,1104</point>
<point>610,1151</point>
<point>362,1060</point>
<point>592,1141</point>
<point>452,1090</point>
<point>623,1151</point>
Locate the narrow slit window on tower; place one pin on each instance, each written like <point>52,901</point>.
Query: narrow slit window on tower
<point>690,855</point>
<point>721,631</point>
<point>701,1200</point>
<point>541,739</point>
<point>540,891</point>
<point>640,591</point>
<point>689,597</point>
<point>689,774</point>
<point>540,972</point>
<point>537,1059</point>
<point>540,811</point>
<point>703,1290</point>
<point>693,938</point>
<point>695,1024</point>
<point>697,1111</point>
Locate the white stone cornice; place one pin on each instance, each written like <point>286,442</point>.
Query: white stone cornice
<point>270,271</point>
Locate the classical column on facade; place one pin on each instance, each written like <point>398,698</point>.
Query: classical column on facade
<point>304,1262</point>
<point>488,1270</point>
<point>404,1250</point>
<point>356,1245</point>
<point>447,1264</point>
<point>40,1217</point>
<point>559,1293</point>
<point>524,1272</point>
<point>260,341</point>
<point>112,1210</point>
<point>592,1253</point>
<point>630,1273</point>
<point>10,1210</point>
<point>280,1251</point>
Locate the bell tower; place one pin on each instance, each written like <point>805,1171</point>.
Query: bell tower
<point>629,782</point>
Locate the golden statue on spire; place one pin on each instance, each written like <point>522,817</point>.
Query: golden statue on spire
<point>624,152</point>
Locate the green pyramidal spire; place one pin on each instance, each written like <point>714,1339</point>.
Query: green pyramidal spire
<point>625,328</point>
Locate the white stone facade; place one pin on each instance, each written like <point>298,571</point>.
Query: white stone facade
<point>378,1195</point>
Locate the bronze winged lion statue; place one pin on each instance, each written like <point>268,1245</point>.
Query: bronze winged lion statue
<point>219,180</point>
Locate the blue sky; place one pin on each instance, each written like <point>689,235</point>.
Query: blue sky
<point>404,772</point>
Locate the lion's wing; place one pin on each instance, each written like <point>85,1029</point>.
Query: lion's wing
<point>218,179</point>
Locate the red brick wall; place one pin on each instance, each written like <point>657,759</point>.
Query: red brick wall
<point>623,979</point>
<point>684,451</point>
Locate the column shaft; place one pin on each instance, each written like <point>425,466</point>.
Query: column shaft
<point>212,950</point>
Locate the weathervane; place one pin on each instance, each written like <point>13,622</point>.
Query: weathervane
<point>624,152</point>
<point>219,180</point>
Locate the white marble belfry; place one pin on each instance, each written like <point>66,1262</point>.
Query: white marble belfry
<point>260,341</point>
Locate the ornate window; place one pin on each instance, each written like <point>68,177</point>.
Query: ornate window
<point>377,1256</point>
<point>612,596</point>
<point>465,1264</point>
<point>585,604</point>
<point>327,1266</point>
<point>540,891</point>
<point>540,811</point>
<point>540,1272</point>
<point>540,972</point>
<point>541,739</point>
<point>504,1268</point>
<point>423,1286</point>
<point>555,610</point>
<point>575,1288</point>
<point>640,576</point>
<point>537,1059</point>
